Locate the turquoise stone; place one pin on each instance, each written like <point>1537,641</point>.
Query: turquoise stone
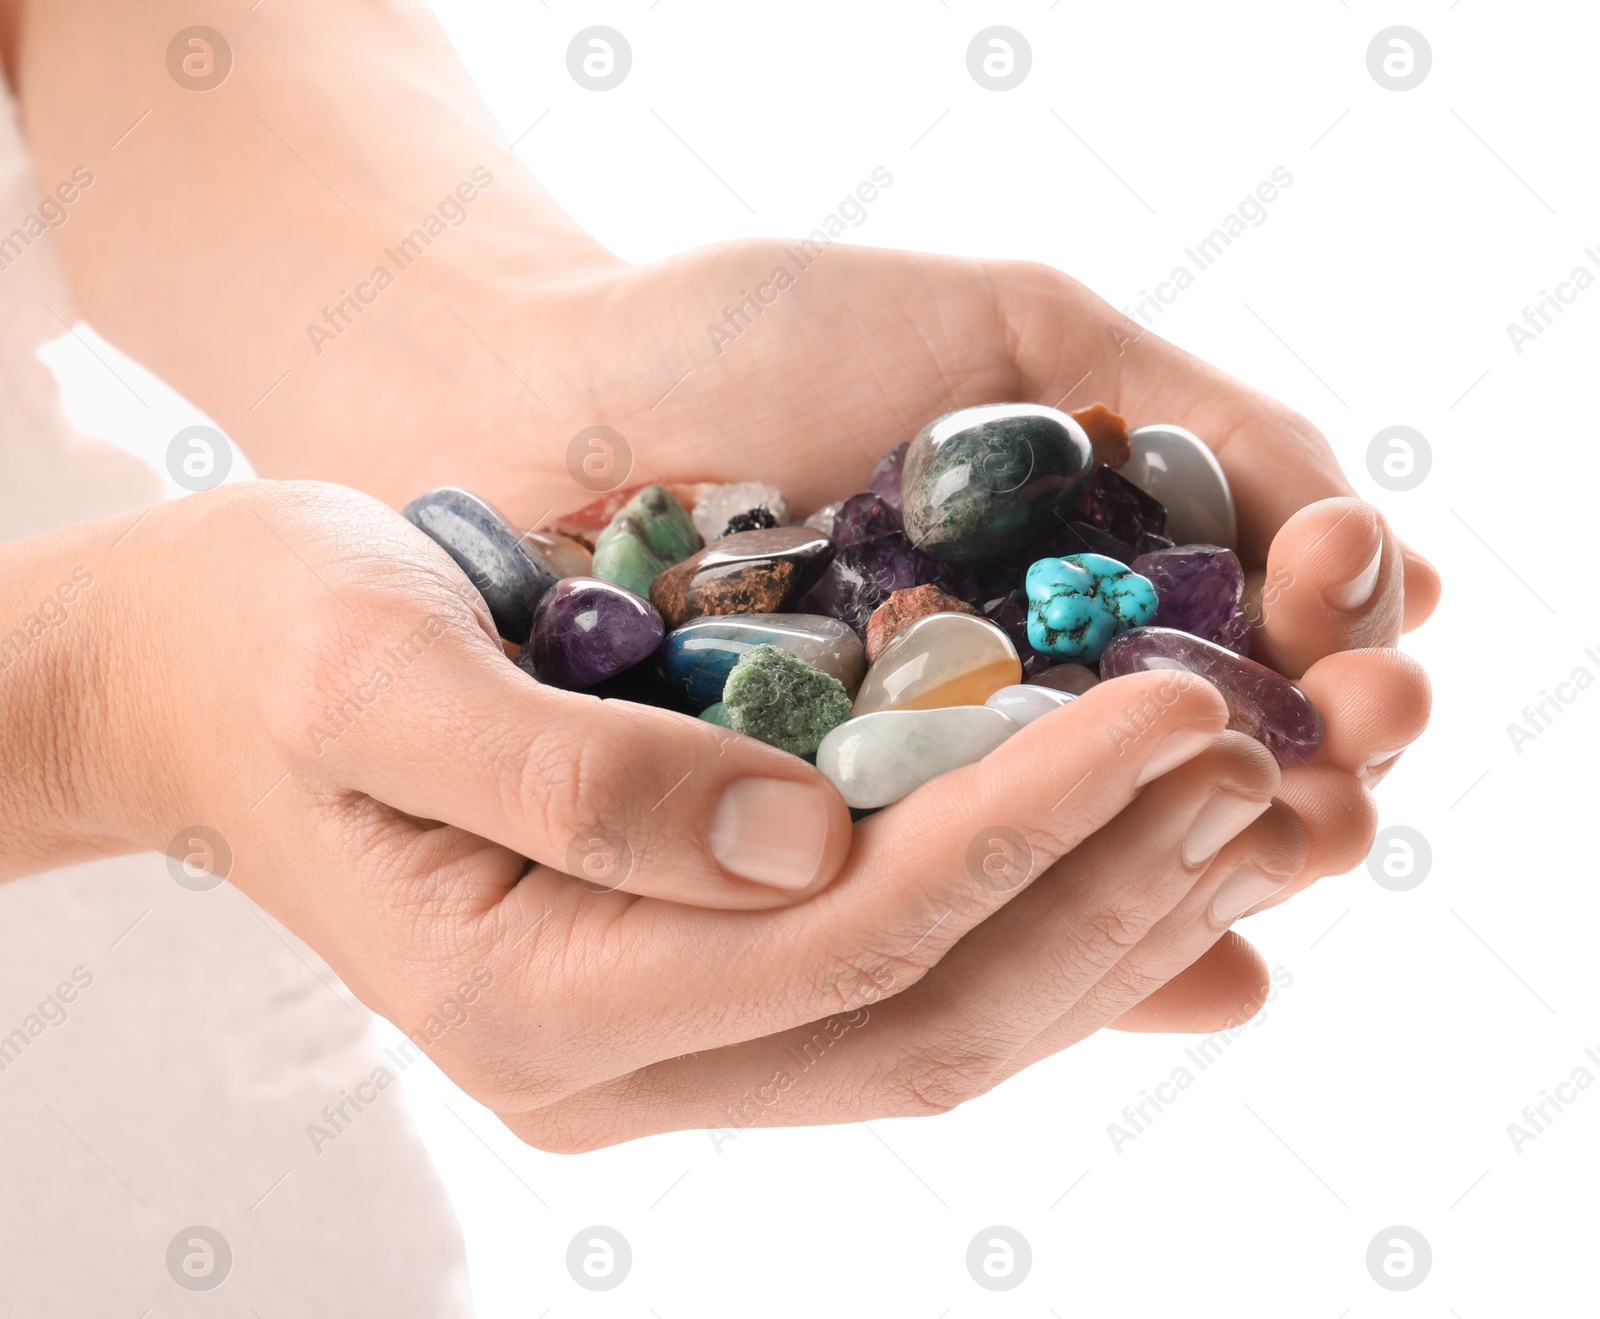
<point>1077,604</point>
<point>698,656</point>
<point>646,536</point>
<point>986,481</point>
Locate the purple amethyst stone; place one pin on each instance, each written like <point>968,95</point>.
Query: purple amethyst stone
<point>885,479</point>
<point>1199,588</point>
<point>1261,703</point>
<point>1117,507</point>
<point>586,630</point>
<point>864,517</point>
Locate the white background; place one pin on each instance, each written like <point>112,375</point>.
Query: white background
<point>1377,1087</point>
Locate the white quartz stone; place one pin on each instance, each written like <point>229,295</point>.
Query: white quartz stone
<point>1025,702</point>
<point>714,510</point>
<point>876,759</point>
<point>1174,466</point>
<point>938,660</point>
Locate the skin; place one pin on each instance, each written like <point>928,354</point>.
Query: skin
<point>477,368</point>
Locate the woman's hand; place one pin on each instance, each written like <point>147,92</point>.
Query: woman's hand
<point>295,669</point>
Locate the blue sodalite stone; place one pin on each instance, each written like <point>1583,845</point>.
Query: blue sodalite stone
<point>511,575</point>
<point>1078,603</point>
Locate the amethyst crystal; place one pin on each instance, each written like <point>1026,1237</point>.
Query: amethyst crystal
<point>1263,704</point>
<point>1119,508</point>
<point>586,630</point>
<point>885,479</point>
<point>864,517</point>
<point>1010,614</point>
<point>862,575</point>
<point>1200,588</point>
<point>1074,678</point>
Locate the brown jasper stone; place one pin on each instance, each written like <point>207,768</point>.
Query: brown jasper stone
<point>750,572</point>
<point>1107,432</point>
<point>903,608</point>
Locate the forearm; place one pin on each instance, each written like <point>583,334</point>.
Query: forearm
<point>72,785</point>
<point>230,240</point>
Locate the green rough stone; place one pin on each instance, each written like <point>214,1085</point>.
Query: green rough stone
<point>646,536</point>
<point>717,714</point>
<point>785,702</point>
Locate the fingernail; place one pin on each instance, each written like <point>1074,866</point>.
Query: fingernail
<point>1376,762</point>
<point>1241,891</point>
<point>1221,819</point>
<point>1178,748</point>
<point>770,831</point>
<point>1358,590</point>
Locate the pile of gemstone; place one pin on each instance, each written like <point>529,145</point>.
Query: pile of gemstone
<point>999,564</point>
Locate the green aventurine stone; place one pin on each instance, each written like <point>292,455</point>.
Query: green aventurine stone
<point>646,536</point>
<point>783,701</point>
<point>717,714</point>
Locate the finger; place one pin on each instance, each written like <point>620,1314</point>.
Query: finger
<point>1374,704</point>
<point>1205,996</point>
<point>620,795</point>
<point>989,997</point>
<point>1340,819</point>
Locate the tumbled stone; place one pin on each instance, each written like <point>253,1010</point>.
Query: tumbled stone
<point>1107,432</point>
<point>754,572</point>
<point>1072,678</point>
<point>567,555</point>
<point>758,518</point>
<point>1077,604</point>
<point>648,534</point>
<point>510,575</point>
<point>1119,508</point>
<point>722,503</point>
<point>717,714</point>
<point>698,656</point>
<point>885,478</point>
<point>823,519</point>
<point>1174,466</point>
<point>587,630</point>
<point>863,517</point>
<point>940,660</point>
<point>590,520</point>
<point>987,480</point>
<point>783,701</point>
<point>1024,703</point>
<point>876,759</point>
<point>1009,613</point>
<point>862,576</point>
<point>1262,703</point>
<point>904,607</point>
<point>1199,589</point>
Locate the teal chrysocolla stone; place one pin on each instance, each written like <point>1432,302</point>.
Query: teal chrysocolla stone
<point>1078,603</point>
<point>783,701</point>
<point>646,536</point>
<point>982,482</point>
<point>698,657</point>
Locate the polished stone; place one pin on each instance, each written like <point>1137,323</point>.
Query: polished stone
<point>781,700</point>
<point>876,759</point>
<point>940,660</point>
<point>862,518</point>
<point>587,630</point>
<point>567,555</point>
<point>590,520</point>
<point>647,535</point>
<point>698,656</point>
<point>1199,589</point>
<point>722,503</point>
<point>1175,466</point>
<point>511,575</point>
<point>862,576</point>
<point>1077,604</point>
<point>1009,613</point>
<point>985,481</point>
<point>1074,679</point>
<point>903,608</point>
<point>1024,703</point>
<point>1262,703</point>
<point>753,572</point>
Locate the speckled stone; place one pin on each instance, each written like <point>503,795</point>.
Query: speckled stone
<point>511,575</point>
<point>779,699</point>
<point>1175,467</point>
<point>698,656</point>
<point>587,630</point>
<point>940,660</point>
<point>722,503</point>
<point>985,481</point>
<point>876,759</point>
<point>647,535</point>
<point>754,572</point>
<point>1077,604</point>
<point>903,608</point>
<point>1262,703</point>
<point>1024,703</point>
<point>1200,589</point>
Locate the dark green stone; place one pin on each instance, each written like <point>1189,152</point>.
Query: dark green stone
<point>780,699</point>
